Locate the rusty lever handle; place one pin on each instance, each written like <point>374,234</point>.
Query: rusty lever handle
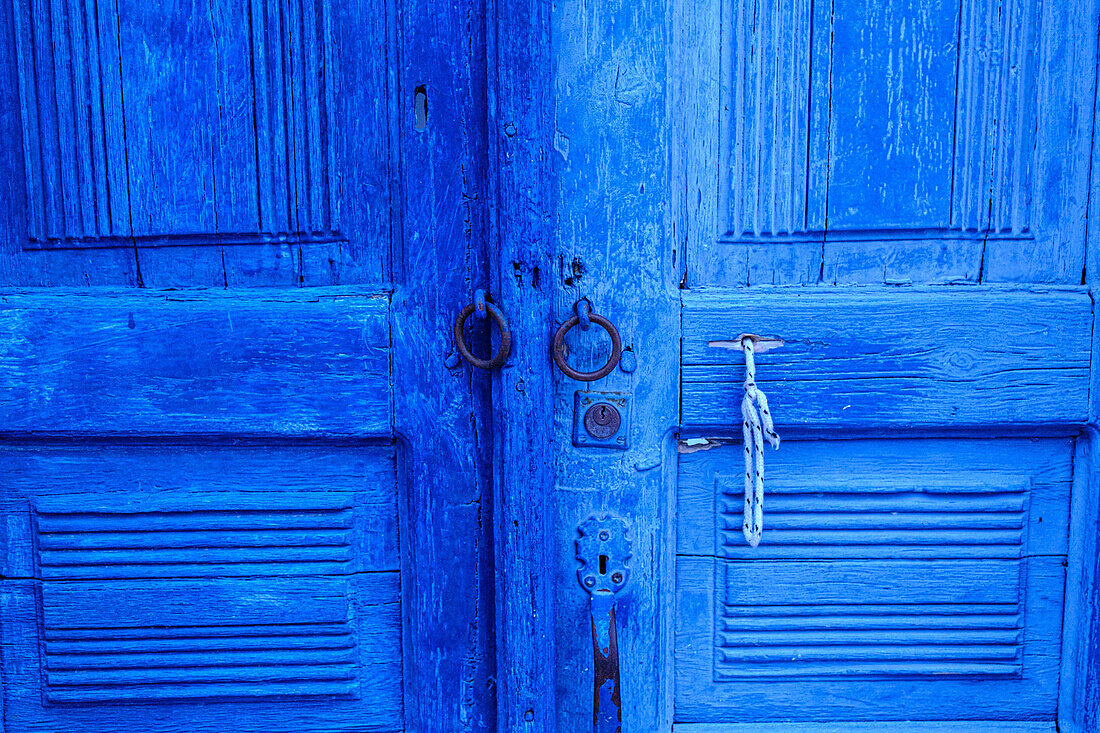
<point>603,550</point>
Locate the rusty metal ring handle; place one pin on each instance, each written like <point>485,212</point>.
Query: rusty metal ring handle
<point>505,337</point>
<point>559,349</point>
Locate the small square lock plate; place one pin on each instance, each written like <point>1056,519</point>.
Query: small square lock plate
<point>601,419</point>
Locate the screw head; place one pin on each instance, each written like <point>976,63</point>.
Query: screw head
<point>605,535</point>
<point>590,581</point>
<point>616,578</point>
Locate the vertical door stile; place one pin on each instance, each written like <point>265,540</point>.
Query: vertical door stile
<point>611,245</point>
<point>442,413</point>
<point>1079,694</point>
<point>520,106</point>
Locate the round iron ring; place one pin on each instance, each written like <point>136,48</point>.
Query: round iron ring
<point>503,350</point>
<point>559,349</point>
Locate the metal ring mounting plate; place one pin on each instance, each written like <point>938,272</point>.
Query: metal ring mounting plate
<point>503,350</point>
<point>559,349</point>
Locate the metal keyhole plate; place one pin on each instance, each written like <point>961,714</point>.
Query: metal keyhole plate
<point>601,419</point>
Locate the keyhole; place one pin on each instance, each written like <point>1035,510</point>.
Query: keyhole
<point>420,108</point>
<point>603,564</point>
<point>603,414</point>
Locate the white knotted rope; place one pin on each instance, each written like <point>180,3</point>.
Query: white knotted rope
<point>756,425</point>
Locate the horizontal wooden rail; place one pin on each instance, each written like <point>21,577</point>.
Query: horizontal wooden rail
<point>263,362</point>
<point>921,358</point>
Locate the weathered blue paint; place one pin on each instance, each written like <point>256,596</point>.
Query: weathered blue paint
<point>936,154</point>
<point>230,507</point>
<point>287,507</point>
<point>524,542</point>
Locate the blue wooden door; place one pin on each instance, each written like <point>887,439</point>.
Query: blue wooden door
<point>248,484</point>
<point>241,482</point>
<point>898,192</point>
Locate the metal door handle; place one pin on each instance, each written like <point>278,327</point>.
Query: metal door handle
<point>483,307</point>
<point>585,317</point>
<point>603,549</point>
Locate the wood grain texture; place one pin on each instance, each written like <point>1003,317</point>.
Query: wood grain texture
<point>442,419</point>
<point>256,136</point>
<point>1079,701</point>
<point>274,363</point>
<point>524,541</point>
<point>917,359</point>
<point>857,142</point>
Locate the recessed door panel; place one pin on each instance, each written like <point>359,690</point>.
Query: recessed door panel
<point>905,579</point>
<point>242,579</point>
<point>880,142</point>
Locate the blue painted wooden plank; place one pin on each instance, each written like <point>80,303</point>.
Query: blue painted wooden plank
<point>283,363</point>
<point>607,199</point>
<point>169,121</point>
<point>1042,183</point>
<point>442,418</point>
<point>892,73</point>
<point>886,726</point>
<point>917,359</point>
<point>527,668</point>
<point>1079,701</point>
<point>364,105</point>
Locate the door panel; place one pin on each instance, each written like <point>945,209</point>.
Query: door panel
<point>871,142</point>
<point>255,135</point>
<point>239,577</point>
<point>897,579</point>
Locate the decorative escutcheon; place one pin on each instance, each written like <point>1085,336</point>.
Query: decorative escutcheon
<point>603,550</point>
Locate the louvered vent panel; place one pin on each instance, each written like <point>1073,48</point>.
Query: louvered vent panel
<point>858,518</point>
<point>163,639</point>
<point>275,535</point>
<point>855,578</point>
